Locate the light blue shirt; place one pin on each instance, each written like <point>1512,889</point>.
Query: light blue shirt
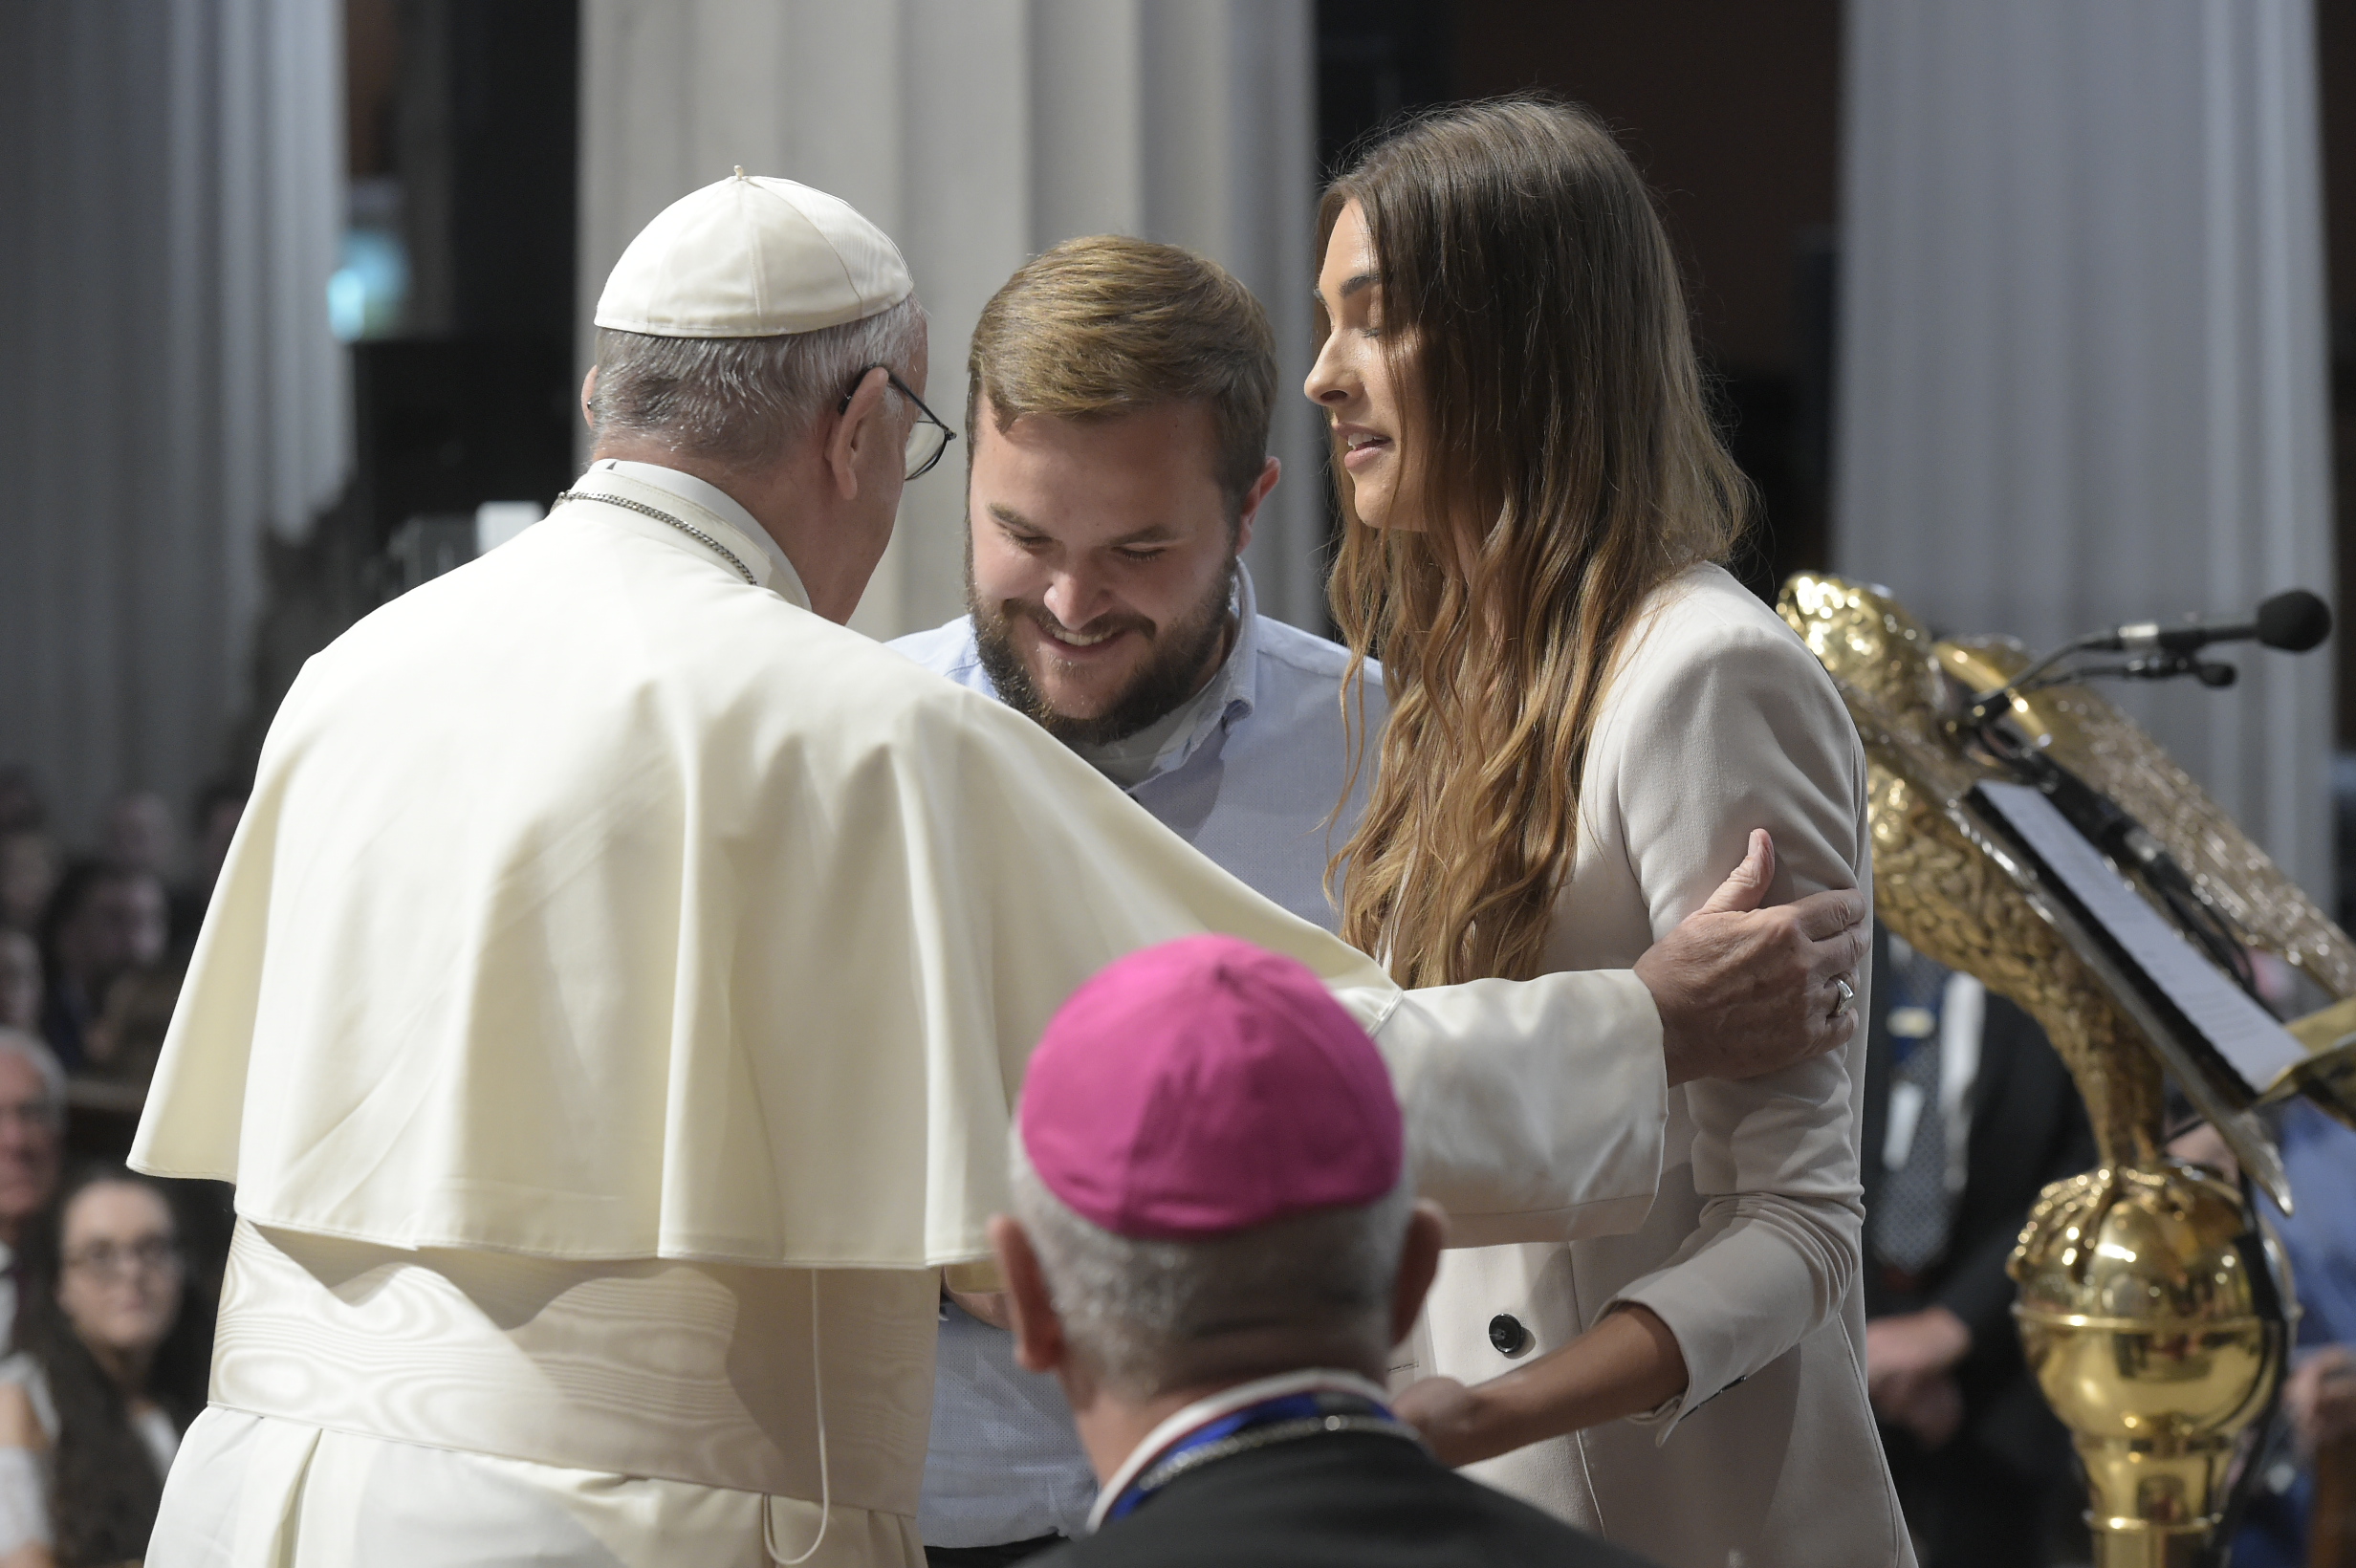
<point>1250,779</point>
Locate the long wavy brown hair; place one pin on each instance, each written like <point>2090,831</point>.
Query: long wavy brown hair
<point>1559,447</point>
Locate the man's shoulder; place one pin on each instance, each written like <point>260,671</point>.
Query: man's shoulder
<point>1304,661</point>
<point>1368,1502</point>
<point>946,650</point>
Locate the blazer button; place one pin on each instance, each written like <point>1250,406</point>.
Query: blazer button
<point>1506,1333</point>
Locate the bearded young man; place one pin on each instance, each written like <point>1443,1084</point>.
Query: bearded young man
<point>1118,402</point>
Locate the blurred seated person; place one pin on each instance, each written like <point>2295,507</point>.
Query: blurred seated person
<point>122,1042</point>
<point>1215,1244</point>
<point>1968,1113</point>
<point>220,806</point>
<point>21,806</point>
<point>2313,1465</point>
<point>104,919</point>
<point>28,878</point>
<point>142,835</point>
<point>143,832</point>
<point>20,981</point>
<point>32,1143</point>
<point>112,1369</point>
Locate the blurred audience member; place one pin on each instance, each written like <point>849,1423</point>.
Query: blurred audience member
<point>22,809</point>
<point>28,878</point>
<point>32,1140</point>
<point>103,920</point>
<point>140,834</point>
<point>1968,1113</point>
<point>220,806</point>
<point>2315,1464</point>
<point>20,981</point>
<point>111,1369</point>
<point>123,1040</point>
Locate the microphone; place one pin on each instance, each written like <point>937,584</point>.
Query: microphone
<point>2293,621</point>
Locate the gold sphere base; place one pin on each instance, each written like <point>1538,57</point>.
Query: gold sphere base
<point>2170,1488</point>
<point>2154,1337</point>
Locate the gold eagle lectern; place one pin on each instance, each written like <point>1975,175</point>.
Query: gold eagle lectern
<point>2153,1314</point>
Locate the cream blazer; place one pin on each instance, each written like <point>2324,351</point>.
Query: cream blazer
<point>1717,721</point>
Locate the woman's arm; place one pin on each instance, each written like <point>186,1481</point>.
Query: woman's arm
<point>1626,1364</point>
<point>1719,733</point>
<point>1745,730</point>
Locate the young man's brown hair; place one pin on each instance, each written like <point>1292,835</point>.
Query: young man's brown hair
<point>1108,325</point>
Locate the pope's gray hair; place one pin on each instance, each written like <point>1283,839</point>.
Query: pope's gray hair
<point>44,1061</point>
<point>738,401</point>
<point>1146,1317</point>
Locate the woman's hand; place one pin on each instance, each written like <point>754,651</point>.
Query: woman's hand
<point>1627,1364</point>
<point>1447,1415</point>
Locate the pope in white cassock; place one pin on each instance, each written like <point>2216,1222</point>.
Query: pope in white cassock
<point>613,1003</point>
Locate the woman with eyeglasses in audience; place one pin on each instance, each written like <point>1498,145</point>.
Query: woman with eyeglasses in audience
<point>110,1368</point>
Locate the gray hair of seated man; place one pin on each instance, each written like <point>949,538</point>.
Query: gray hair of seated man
<point>1148,1316</point>
<point>738,401</point>
<point>44,1061</point>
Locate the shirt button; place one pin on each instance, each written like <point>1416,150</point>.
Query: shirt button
<point>1506,1333</point>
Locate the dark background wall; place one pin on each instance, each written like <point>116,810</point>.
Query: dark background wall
<point>2335,27</point>
<point>1732,111</point>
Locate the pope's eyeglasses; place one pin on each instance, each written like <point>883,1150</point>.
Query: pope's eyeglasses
<point>928,438</point>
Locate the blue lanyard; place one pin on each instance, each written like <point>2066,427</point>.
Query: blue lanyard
<point>1283,1418</point>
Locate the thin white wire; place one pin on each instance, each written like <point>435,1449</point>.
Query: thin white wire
<point>827,1496</point>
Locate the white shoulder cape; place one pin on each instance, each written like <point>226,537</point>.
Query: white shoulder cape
<point>593,902</point>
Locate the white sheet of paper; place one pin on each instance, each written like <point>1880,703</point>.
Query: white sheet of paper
<point>2243,1033</point>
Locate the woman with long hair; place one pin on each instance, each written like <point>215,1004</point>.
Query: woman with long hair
<point>1589,719</point>
<point>110,1369</point>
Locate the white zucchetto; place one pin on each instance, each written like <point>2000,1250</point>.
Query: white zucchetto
<point>752,256</point>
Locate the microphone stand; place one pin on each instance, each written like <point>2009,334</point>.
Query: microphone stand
<point>1988,706</point>
<point>2120,836</point>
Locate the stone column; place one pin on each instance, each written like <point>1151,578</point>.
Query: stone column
<point>2082,348</point>
<point>174,192</point>
<point>979,133</point>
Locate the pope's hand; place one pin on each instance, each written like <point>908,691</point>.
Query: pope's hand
<point>1743,990</point>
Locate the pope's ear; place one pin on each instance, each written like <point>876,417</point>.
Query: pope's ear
<point>1038,1333</point>
<point>860,426</point>
<point>589,391</point>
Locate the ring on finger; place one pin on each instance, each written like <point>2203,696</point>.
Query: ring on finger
<point>1846,994</point>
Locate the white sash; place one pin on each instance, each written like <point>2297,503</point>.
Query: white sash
<point>678,1371</point>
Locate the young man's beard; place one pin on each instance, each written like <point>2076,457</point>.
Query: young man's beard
<point>1175,663</point>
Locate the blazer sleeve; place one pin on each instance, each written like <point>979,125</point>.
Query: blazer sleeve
<point>1727,730</point>
<point>1536,1109</point>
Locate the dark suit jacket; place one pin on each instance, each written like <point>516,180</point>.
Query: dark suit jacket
<point>1350,1500</point>
<point>2028,1127</point>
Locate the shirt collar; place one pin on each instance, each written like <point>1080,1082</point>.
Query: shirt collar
<point>1226,1402</point>
<point>766,560</point>
<point>1229,694</point>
